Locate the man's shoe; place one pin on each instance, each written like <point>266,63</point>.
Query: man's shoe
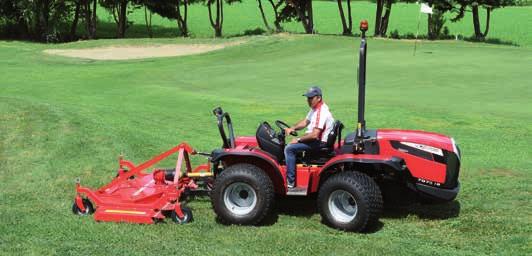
<point>291,185</point>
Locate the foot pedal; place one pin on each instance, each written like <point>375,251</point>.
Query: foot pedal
<point>297,191</point>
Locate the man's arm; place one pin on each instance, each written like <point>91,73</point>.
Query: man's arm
<point>314,135</point>
<point>301,124</point>
<point>298,126</point>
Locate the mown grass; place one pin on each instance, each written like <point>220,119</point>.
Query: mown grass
<point>62,118</point>
<point>508,25</point>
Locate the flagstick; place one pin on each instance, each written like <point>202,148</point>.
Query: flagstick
<point>417,32</point>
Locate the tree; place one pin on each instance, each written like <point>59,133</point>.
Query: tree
<point>276,6</point>
<point>14,19</point>
<point>489,5</point>
<point>382,15</point>
<point>300,10</point>
<point>218,19</point>
<point>148,21</point>
<point>381,21</point>
<point>119,10</point>
<point>74,26</point>
<point>172,9</point>
<point>89,9</point>
<point>436,20</point>
<point>347,26</point>
<point>264,16</point>
<point>182,18</point>
<point>35,19</point>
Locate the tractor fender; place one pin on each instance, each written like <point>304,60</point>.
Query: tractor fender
<point>260,159</point>
<point>395,163</point>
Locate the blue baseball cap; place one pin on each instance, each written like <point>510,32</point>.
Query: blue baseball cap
<point>313,91</point>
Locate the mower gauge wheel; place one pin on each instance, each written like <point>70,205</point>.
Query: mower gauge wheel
<point>282,125</point>
<point>186,218</point>
<point>89,209</point>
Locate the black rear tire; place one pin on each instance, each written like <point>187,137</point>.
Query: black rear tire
<point>350,201</point>
<point>243,194</point>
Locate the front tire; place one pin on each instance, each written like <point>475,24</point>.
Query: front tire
<point>350,201</point>
<point>243,194</point>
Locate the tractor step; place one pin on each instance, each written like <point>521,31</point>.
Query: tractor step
<point>297,191</point>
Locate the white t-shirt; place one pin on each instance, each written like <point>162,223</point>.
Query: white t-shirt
<point>321,118</point>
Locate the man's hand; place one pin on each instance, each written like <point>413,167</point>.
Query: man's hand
<point>293,141</point>
<point>287,131</point>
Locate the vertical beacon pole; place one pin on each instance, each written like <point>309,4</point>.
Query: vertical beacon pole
<point>361,126</point>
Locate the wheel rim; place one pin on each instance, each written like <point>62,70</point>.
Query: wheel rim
<point>182,220</point>
<point>343,206</point>
<point>86,212</point>
<point>240,198</point>
<point>83,213</point>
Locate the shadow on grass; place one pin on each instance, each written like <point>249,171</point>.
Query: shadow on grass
<point>107,30</point>
<point>491,41</point>
<point>400,202</point>
<point>436,211</point>
<point>293,206</point>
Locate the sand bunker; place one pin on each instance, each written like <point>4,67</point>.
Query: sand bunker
<point>139,52</point>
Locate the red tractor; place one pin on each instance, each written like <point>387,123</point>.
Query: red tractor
<point>347,174</point>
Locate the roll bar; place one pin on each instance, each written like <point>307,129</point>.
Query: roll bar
<point>220,115</point>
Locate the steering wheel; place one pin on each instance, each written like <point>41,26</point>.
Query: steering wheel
<point>282,125</point>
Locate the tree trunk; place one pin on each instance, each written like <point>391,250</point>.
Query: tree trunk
<point>386,18</point>
<point>221,16</point>
<point>90,18</point>
<point>42,12</point>
<point>87,17</point>
<point>94,18</point>
<point>430,27</point>
<point>182,18</point>
<point>304,11</point>
<point>148,21</point>
<point>216,22</point>
<point>350,18</point>
<point>310,14</point>
<point>436,21</point>
<point>476,22</point>
<point>486,30</point>
<point>342,17</point>
<point>122,19</point>
<point>23,27</point>
<point>75,21</point>
<point>264,16</point>
<point>378,17</point>
<point>277,21</point>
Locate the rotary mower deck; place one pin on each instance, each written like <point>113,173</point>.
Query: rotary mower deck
<point>140,197</point>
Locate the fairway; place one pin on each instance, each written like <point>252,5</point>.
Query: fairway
<point>62,118</point>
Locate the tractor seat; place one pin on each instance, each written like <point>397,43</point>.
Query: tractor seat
<point>326,150</point>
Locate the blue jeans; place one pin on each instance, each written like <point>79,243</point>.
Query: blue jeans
<point>290,153</point>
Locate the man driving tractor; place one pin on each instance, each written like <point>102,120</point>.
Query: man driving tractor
<point>319,123</point>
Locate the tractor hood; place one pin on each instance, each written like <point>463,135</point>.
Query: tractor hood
<point>420,137</point>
